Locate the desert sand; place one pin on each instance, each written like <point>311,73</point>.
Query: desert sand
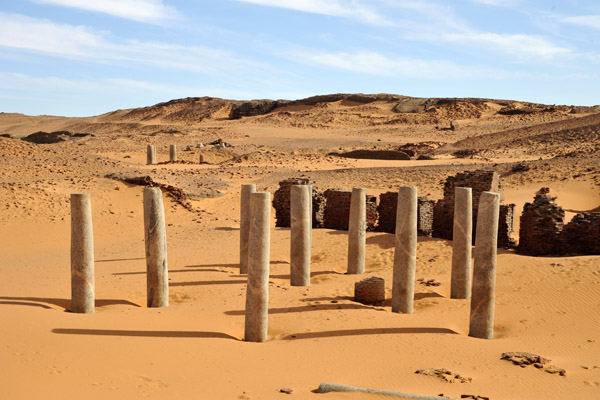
<point>194,348</point>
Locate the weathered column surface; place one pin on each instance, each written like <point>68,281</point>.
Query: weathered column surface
<point>484,268</point>
<point>247,189</point>
<point>301,235</point>
<point>460,287</point>
<point>156,249</point>
<point>257,291</point>
<point>357,227</point>
<point>151,155</point>
<point>405,253</point>
<point>201,158</point>
<point>173,153</point>
<point>82,254</point>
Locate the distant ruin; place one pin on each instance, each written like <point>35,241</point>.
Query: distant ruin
<point>542,230</point>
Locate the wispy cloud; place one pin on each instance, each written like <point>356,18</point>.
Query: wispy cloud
<point>149,11</point>
<point>521,46</point>
<point>374,63</point>
<point>588,21</point>
<point>80,42</point>
<point>497,3</point>
<point>351,9</point>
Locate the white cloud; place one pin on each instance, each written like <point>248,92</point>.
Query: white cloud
<point>150,11</point>
<point>522,46</point>
<point>589,21</point>
<point>80,42</point>
<point>17,82</point>
<point>373,63</point>
<point>497,3</point>
<point>351,9</point>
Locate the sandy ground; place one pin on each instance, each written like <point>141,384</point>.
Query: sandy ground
<point>194,348</point>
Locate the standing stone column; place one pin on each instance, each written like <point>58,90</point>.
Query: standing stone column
<point>245,224</point>
<point>405,253</point>
<point>257,291</point>
<point>484,268</point>
<point>173,153</point>
<point>82,254</point>
<point>357,227</point>
<point>156,249</point>
<point>301,234</point>
<point>460,287</point>
<point>150,155</point>
<point>201,158</point>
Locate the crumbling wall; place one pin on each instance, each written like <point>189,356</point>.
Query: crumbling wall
<point>581,235</point>
<point>281,203</point>
<point>479,181</point>
<point>337,210</point>
<point>388,204</point>
<point>506,225</point>
<point>540,225</point>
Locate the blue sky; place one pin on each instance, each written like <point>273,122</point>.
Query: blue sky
<point>80,57</point>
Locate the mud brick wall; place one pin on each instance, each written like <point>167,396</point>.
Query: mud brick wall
<point>479,181</point>
<point>281,203</point>
<point>337,210</point>
<point>581,235</point>
<point>388,204</point>
<point>541,224</point>
<point>506,225</point>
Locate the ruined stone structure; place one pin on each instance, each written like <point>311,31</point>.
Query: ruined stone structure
<point>370,291</point>
<point>541,224</point>
<point>582,234</point>
<point>506,225</point>
<point>543,232</point>
<point>479,181</point>
<point>281,203</point>
<point>337,210</point>
<point>388,203</point>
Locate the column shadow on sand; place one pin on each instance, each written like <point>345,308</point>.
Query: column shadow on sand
<point>170,271</point>
<point>368,331</point>
<point>135,333</point>
<point>312,274</point>
<point>308,307</point>
<point>204,283</point>
<point>388,241</point>
<point>121,259</point>
<point>63,303</point>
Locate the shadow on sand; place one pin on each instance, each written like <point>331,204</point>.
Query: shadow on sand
<point>368,331</point>
<point>64,303</point>
<point>133,333</point>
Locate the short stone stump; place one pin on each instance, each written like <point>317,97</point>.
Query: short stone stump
<point>370,291</point>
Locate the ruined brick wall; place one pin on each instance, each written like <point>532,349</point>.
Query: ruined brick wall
<point>425,216</point>
<point>581,235</point>
<point>388,204</point>
<point>337,210</point>
<point>479,181</point>
<point>540,225</point>
<point>506,225</point>
<point>281,203</point>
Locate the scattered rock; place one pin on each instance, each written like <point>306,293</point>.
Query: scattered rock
<point>428,282</point>
<point>474,397</point>
<point>524,359</point>
<point>286,390</point>
<point>444,375</point>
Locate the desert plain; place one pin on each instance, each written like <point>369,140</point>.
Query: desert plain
<point>194,348</point>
